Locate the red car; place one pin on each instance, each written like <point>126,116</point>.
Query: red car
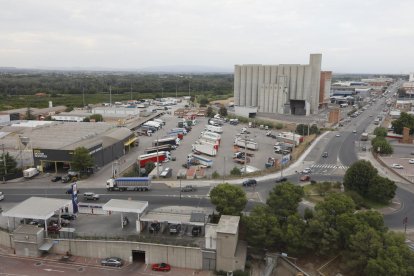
<point>53,229</point>
<point>305,178</point>
<point>161,267</point>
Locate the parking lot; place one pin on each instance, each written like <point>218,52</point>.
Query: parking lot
<point>402,154</point>
<point>223,162</point>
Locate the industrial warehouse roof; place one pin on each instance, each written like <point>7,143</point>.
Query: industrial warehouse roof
<point>125,206</point>
<point>66,135</point>
<point>37,208</point>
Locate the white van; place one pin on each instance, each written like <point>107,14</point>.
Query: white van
<point>343,105</point>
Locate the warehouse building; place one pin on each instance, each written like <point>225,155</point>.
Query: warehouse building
<point>281,89</point>
<point>50,145</point>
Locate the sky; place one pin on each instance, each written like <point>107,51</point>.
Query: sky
<point>354,36</point>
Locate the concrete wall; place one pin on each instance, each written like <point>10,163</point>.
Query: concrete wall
<point>178,256</point>
<point>6,240</point>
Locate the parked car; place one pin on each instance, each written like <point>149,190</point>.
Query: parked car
<point>1,196</point>
<point>411,161</point>
<point>250,182</point>
<point>281,179</point>
<point>196,231</point>
<point>305,178</point>
<point>161,267</point>
<point>112,261</point>
<point>56,178</point>
<point>90,196</point>
<point>53,229</point>
<point>175,228</point>
<point>188,188</point>
<point>155,227</point>
<point>68,216</point>
<point>397,166</point>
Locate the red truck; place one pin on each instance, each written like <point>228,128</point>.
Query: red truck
<point>162,156</point>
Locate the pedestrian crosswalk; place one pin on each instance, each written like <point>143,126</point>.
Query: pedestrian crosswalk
<point>328,168</point>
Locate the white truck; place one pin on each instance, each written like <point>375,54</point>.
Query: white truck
<point>200,159</point>
<point>209,140</point>
<point>249,144</point>
<point>209,134</point>
<point>153,124</point>
<point>206,148</point>
<point>31,172</point>
<point>216,129</point>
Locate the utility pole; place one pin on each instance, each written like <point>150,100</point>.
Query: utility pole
<point>4,164</point>
<point>83,96</point>
<point>158,160</point>
<point>245,153</point>
<point>110,96</point>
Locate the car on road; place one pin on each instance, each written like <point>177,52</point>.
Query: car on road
<point>90,196</point>
<point>397,166</point>
<point>249,182</point>
<point>306,171</point>
<point>354,131</point>
<point>280,179</point>
<point>161,267</point>
<point>188,188</point>
<point>325,154</point>
<point>155,227</point>
<point>112,261</point>
<point>338,135</point>
<point>305,178</point>
<point>1,196</point>
<point>56,178</point>
<point>68,216</point>
<point>411,161</point>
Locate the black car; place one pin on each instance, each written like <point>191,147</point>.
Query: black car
<point>281,179</point>
<point>112,261</point>
<point>155,227</point>
<point>68,216</point>
<point>175,228</point>
<point>56,178</point>
<point>250,182</point>
<point>196,231</point>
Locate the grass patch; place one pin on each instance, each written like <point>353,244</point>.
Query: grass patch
<point>318,191</point>
<point>374,205</point>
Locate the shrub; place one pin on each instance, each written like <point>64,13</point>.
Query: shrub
<point>235,172</point>
<point>215,175</point>
<point>278,125</point>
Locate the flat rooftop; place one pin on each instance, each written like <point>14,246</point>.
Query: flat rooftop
<point>37,208</point>
<point>62,135</point>
<point>228,224</point>
<point>125,206</point>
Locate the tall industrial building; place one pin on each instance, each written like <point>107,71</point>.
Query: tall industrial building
<point>282,89</point>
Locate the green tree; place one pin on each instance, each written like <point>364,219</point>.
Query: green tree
<point>149,166</point>
<point>302,129</point>
<point>222,111</point>
<point>210,112</point>
<point>96,117</point>
<point>333,206</point>
<point>292,235</point>
<point>405,120</point>
<point>262,229</point>
<point>215,175</point>
<point>203,102</point>
<point>381,145</point>
<point>86,119</point>
<point>82,160</point>
<point>29,114</point>
<point>358,177</point>
<point>11,165</point>
<point>381,189</point>
<point>284,199</point>
<point>380,131</point>
<point>228,199</point>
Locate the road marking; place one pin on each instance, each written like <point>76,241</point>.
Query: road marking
<point>52,270</point>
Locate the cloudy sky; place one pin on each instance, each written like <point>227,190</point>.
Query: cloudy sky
<point>354,36</point>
